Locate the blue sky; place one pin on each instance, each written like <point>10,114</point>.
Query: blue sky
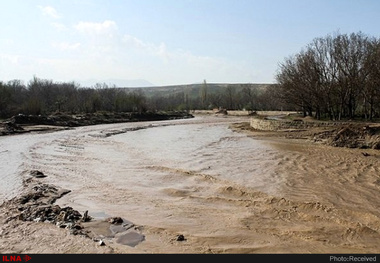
<point>168,42</point>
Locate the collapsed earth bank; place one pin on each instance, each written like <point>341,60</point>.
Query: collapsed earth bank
<point>25,123</point>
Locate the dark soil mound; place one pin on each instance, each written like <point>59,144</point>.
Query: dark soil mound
<point>15,124</point>
<point>353,136</point>
<point>94,118</point>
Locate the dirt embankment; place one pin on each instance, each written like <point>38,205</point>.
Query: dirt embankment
<point>350,135</point>
<point>25,123</point>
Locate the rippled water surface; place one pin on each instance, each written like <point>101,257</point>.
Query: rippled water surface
<point>160,158</point>
<point>211,149</point>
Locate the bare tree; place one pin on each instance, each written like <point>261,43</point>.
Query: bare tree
<point>334,76</point>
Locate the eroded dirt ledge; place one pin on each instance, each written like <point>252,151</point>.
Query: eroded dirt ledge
<point>25,123</point>
<point>37,204</point>
<point>338,134</point>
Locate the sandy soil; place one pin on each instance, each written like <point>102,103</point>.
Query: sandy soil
<point>327,202</point>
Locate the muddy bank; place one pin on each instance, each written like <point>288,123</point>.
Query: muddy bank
<point>26,123</point>
<point>357,135</point>
<point>36,205</point>
<point>338,134</point>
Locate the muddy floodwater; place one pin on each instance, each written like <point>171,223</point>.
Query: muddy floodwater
<point>222,191</point>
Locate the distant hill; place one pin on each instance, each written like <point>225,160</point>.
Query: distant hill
<point>193,90</point>
<point>124,83</point>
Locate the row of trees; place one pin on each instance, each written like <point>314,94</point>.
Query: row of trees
<point>249,97</point>
<point>337,76</point>
<point>42,96</point>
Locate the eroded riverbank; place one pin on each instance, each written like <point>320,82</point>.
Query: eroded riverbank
<point>223,191</point>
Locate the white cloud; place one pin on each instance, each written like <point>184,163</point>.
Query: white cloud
<point>65,46</point>
<point>107,27</point>
<point>49,11</point>
<point>131,40</point>
<point>59,26</point>
<point>148,48</point>
<point>107,38</point>
<point>7,58</point>
<point>121,54</point>
<point>89,49</point>
<point>6,41</point>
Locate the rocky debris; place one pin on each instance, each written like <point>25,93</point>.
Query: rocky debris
<point>86,217</point>
<point>13,127</point>
<point>36,204</point>
<point>41,194</point>
<point>10,127</point>
<point>37,174</point>
<point>181,238</point>
<point>115,220</point>
<point>220,111</point>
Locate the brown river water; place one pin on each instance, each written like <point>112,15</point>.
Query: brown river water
<point>224,191</point>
